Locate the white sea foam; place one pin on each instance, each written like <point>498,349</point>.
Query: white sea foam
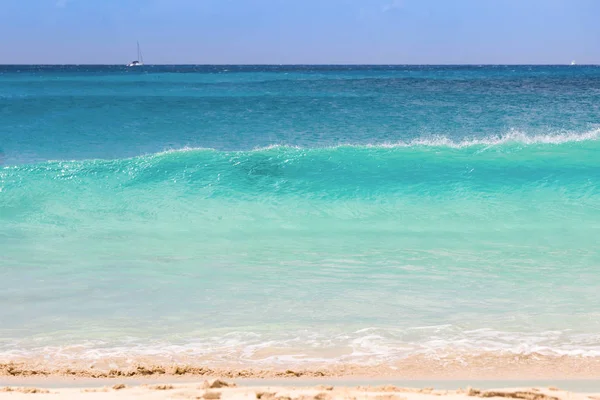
<point>366,346</point>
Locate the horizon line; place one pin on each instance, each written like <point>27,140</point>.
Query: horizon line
<point>297,64</point>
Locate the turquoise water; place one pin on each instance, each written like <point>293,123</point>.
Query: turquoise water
<point>266,214</point>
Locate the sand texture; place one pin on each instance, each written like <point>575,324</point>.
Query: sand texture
<point>224,390</point>
<point>458,367</point>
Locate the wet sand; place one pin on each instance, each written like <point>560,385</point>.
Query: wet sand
<point>489,366</point>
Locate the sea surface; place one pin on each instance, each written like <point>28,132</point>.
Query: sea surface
<point>294,214</point>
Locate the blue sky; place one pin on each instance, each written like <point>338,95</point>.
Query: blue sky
<point>300,31</point>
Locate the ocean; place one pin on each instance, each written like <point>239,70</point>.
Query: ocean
<point>266,215</point>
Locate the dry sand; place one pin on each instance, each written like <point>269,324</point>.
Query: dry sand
<point>223,390</point>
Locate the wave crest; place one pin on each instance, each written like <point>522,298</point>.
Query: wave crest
<point>511,137</point>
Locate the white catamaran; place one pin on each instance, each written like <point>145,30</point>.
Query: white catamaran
<point>140,59</point>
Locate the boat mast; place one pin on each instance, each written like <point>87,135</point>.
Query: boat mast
<point>140,58</point>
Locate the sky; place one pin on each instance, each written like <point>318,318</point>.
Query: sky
<point>300,31</point>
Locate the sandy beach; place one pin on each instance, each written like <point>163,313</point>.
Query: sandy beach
<point>531,377</point>
<point>455,366</point>
<point>221,389</point>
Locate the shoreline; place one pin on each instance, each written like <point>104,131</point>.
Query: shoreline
<point>487,366</point>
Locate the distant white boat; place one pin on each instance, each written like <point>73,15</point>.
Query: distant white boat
<point>140,59</point>
<point>573,62</point>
